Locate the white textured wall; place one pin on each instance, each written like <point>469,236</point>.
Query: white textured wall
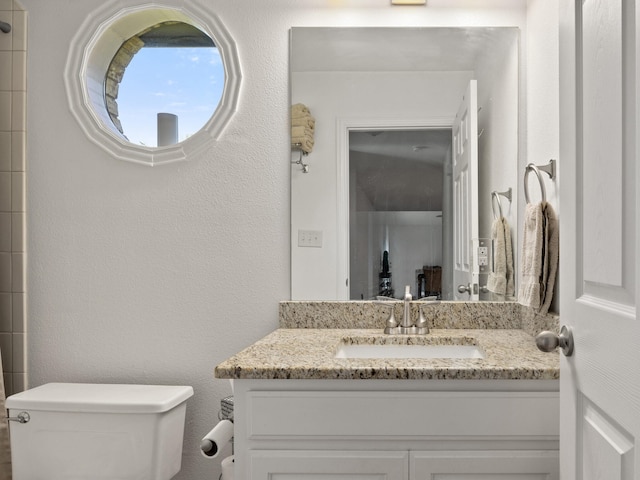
<point>351,96</point>
<point>543,103</point>
<point>543,142</point>
<point>498,145</point>
<point>154,275</point>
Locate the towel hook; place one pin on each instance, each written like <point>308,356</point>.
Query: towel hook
<point>549,169</point>
<point>305,166</point>
<point>496,196</point>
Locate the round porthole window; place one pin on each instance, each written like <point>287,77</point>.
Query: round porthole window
<point>152,85</point>
<point>164,84</point>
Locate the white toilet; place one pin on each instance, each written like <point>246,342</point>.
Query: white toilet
<point>81,431</point>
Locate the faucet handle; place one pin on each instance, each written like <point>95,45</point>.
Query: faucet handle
<point>421,325</point>
<point>392,323</point>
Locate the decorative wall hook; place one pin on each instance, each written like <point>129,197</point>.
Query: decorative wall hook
<point>305,166</point>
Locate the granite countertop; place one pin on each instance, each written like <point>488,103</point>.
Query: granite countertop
<point>309,353</point>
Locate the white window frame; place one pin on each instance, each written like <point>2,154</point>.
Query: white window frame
<point>97,41</point>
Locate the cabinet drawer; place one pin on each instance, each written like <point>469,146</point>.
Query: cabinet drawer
<point>402,414</point>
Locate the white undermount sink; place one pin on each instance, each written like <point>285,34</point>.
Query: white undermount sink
<point>364,350</point>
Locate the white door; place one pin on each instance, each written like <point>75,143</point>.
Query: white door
<point>600,244</point>
<point>465,193</point>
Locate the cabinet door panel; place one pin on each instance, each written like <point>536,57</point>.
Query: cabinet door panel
<point>327,465</point>
<point>485,465</point>
<point>490,476</point>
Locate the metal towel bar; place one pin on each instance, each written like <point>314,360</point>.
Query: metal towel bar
<point>496,196</point>
<point>549,169</point>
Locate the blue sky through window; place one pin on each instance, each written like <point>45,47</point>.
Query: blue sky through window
<point>187,82</point>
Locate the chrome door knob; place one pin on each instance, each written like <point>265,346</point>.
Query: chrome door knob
<point>549,341</point>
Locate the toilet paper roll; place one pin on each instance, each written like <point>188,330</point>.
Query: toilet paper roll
<point>227,468</point>
<point>216,439</point>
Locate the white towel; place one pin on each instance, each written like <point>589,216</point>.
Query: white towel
<point>303,121</point>
<point>530,291</point>
<point>298,110</point>
<point>551,255</point>
<point>540,254</point>
<point>508,247</point>
<point>304,143</point>
<point>303,136</point>
<point>501,279</point>
<point>300,131</point>
<point>302,127</point>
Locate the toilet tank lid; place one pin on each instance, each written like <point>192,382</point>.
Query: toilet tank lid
<point>105,398</point>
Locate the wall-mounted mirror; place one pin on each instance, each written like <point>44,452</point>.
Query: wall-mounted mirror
<point>385,102</point>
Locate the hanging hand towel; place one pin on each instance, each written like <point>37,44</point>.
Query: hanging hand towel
<point>299,109</point>
<point>530,291</point>
<point>303,136</point>
<point>501,279</point>
<point>551,255</point>
<point>497,281</point>
<point>508,246</point>
<point>303,121</point>
<point>301,131</point>
<point>304,143</point>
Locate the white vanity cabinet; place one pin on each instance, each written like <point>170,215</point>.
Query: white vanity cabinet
<point>396,429</point>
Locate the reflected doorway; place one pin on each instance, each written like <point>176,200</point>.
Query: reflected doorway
<point>400,211</point>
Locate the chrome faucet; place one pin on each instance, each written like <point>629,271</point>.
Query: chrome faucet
<point>406,326</point>
<point>406,316</point>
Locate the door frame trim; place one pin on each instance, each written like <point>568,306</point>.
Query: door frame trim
<point>343,127</point>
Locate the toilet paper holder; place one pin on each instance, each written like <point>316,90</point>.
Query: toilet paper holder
<point>226,409</point>
<point>222,433</point>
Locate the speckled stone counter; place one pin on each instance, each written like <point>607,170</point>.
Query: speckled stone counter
<point>366,314</point>
<point>306,344</point>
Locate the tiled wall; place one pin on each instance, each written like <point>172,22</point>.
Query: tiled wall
<point>12,195</point>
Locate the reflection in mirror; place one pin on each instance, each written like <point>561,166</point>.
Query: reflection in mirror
<point>403,81</point>
<point>396,202</point>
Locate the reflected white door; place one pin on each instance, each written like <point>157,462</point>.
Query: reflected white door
<point>600,245</point>
<point>465,193</point>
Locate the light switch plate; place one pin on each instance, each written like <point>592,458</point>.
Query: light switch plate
<point>310,238</point>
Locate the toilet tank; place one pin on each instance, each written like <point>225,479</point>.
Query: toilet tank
<point>98,431</point>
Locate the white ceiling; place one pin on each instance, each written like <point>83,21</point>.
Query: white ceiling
<point>400,170</point>
<point>429,146</point>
